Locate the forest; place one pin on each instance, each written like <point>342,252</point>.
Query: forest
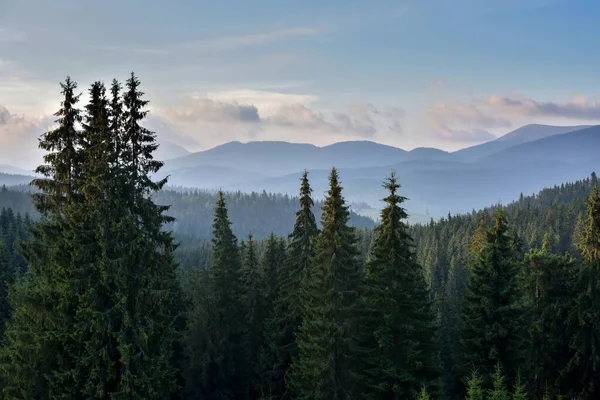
<point>106,292</point>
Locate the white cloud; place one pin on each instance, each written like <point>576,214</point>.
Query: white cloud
<point>457,121</point>
<point>216,44</point>
<point>472,121</point>
<point>259,115</point>
<point>579,108</point>
<point>18,139</point>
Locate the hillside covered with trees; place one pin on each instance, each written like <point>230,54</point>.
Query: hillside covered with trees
<point>98,301</point>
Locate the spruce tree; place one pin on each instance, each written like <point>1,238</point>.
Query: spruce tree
<point>404,344</point>
<point>111,326</point>
<point>491,319</point>
<point>548,299</point>
<point>218,362</point>
<point>257,307</point>
<point>498,391</point>
<point>327,362</point>
<point>583,370</point>
<point>474,387</point>
<point>39,351</point>
<point>283,326</point>
<point>7,278</point>
<point>520,390</point>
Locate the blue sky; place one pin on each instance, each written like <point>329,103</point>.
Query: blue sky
<point>438,73</point>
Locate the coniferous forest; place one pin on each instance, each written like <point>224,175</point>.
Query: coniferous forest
<point>105,295</point>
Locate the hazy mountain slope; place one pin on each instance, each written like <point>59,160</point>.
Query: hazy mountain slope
<point>9,169</point>
<point>524,134</point>
<point>169,150</point>
<point>572,147</point>
<point>210,177</point>
<point>439,187</point>
<point>280,158</point>
<point>431,154</point>
<point>14,179</point>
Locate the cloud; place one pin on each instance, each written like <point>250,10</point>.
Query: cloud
<point>462,122</point>
<point>435,85</point>
<point>217,44</point>
<point>472,121</point>
<point>579,107</point>
<point>205,109</point>
<point>253,115</point>
<point>230,43</point>
<point>18,139</point>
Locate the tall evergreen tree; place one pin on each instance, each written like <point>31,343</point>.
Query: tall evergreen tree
<point>219,363</point>
<point>38,354</point>
<point>283,326</point>
<point>327,364</point>
<point>7,278</point>
<point>491,320</point>
<point>404,345</point>
<point>583,370</point>
<point>474,387</point>
<point>548,298</point>
<point>257,307</point>
<point>112,274</point>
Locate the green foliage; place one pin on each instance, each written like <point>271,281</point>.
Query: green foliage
<point>402,334</point>
<point>93,317</point>
<point>491,319</point>
<point>218,363</point>
<point>7,278</point>
<point>498,391</point>
<point>292,280</point>
<point>547,285</point>
<point>475,387</point>
<point>582,370</point>
<point>520,390</point>
<point>327,364</point>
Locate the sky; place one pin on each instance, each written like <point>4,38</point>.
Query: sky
<point>407,73</point>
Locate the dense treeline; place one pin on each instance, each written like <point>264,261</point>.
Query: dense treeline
<point>259,213</point>
<point>481,306</point>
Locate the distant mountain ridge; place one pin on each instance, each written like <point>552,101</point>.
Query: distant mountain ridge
<point>435,181</point>
<point>524,134</point>
<point>524,160</point>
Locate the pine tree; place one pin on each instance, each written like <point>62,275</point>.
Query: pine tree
<point>291,281</point>
<point>7,278</point>
<point>520,390</point>
<point>38,354</point>
<point>474,387</point>
<point>548,299</point>
<point>218,362</point>
<point>451,296</point>
<point>257,306</point>
<point>491,321</point>
<point>478,241</point>
<point>404,343</point>
<point>424,394</point>
<point>327,364</point>
<point>110,327</point>
<point>583,370</point>
<point>498,391</point>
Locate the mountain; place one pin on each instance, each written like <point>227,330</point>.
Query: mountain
<point>169,150</point>
<point>574,148</point>
<point>9,169</point>
<point>524,134</point>
<point>429,153</point>
<point>279,158</point>
<point>210,177</point>
<point>441,186</point>
<point>14,179</point>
